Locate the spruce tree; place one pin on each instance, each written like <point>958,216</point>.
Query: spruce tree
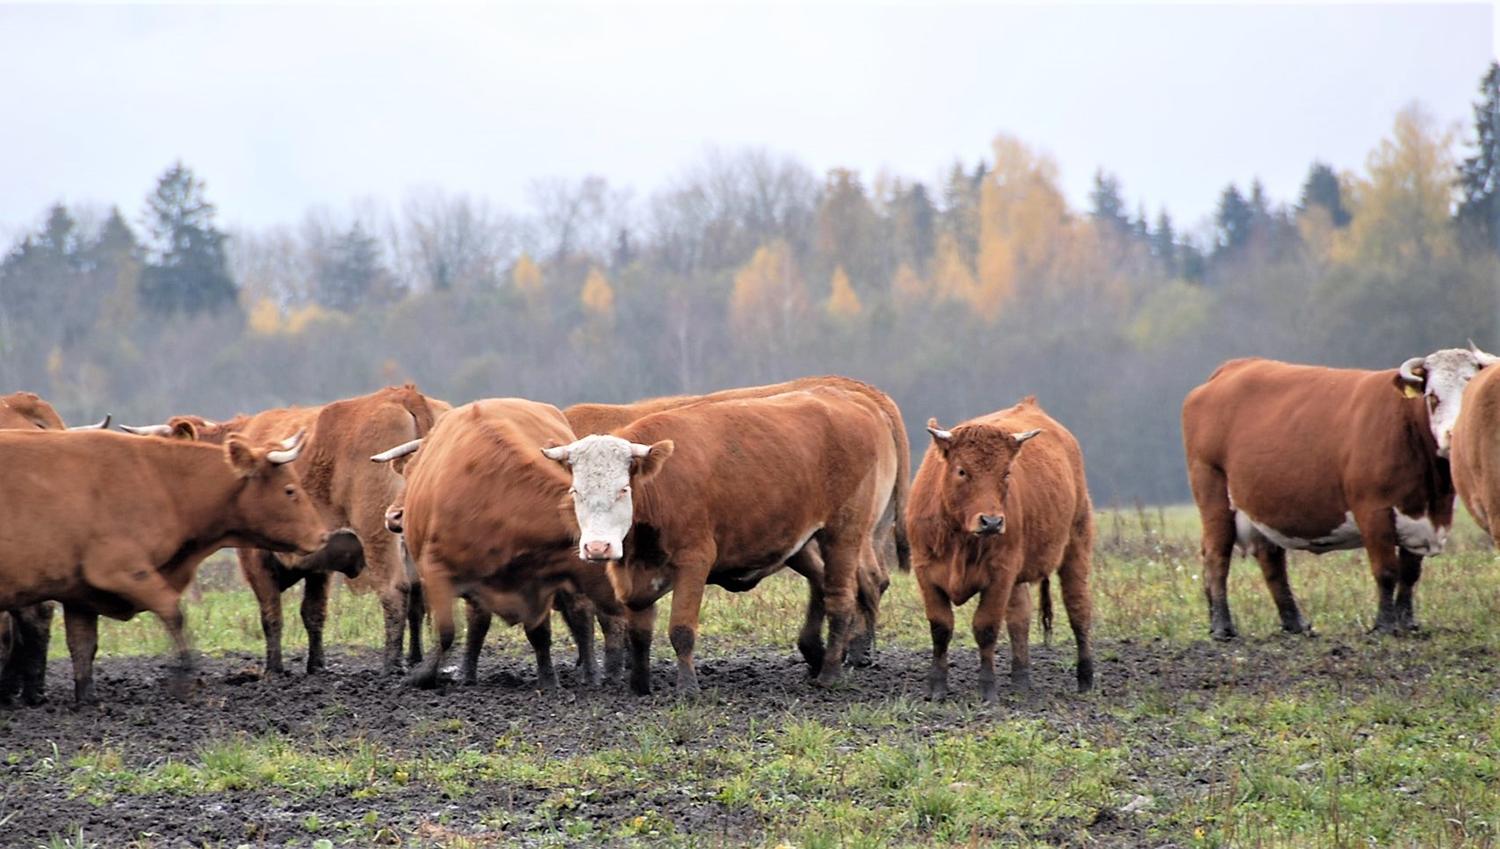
<point>189,270</point>
<point>1479,175</point>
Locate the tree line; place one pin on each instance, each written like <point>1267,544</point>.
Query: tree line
<point>956,297</point>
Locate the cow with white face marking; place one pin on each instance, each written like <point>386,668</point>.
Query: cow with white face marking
<point>726,492</point>
<point>1284,456</point>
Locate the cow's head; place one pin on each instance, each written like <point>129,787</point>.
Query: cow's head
<point>604,469</point>
<point>1439,380</point>
<point>271,508</point>
<point>974,478</point>
<point>399,458</point>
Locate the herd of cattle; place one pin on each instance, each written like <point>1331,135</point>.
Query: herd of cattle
<point>599,510</point>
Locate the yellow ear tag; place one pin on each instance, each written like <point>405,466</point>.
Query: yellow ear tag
<point>1410,391</point>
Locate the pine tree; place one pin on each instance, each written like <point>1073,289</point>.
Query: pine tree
<point>189,271</point>
<point>1164,242</point>
<point>351,273</point>
<point>1107,207</point>
<point>1235,219</point>
<point>1479,175</point>
<point>1322,189</point>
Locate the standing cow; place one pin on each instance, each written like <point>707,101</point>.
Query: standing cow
<point>113,525</point>
<point>1284,456</point>
<point>352,493</point>
<point>874,577</point>
<point>1000,502</point>
<point>28,630</point>
<point>482,518</point>
<point>726,493</point>
<point>1476,447</point>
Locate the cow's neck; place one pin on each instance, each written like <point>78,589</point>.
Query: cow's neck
<point>201,488</point>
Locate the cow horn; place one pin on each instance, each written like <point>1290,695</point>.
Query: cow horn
<point>1409,373</point>
<point>293,449</point>
<point>1484,359</point>
<point>938,433</point>
<point>1025,435</point>
<point>399,451</point>
<point>560,453</point>
<point>102,425</point>
<point>147,430</point>
<point>639,450</point>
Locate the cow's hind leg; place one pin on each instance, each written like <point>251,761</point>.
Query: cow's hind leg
<point>1411,572</point>
<point>138,582</point>
<point>256,567</point>
<point>614,628</point>
<point>842,555</point>
<point>314,617</point>
<point>1211,493</point>
<point>540,637</point>
<point>578,613</point>
<point>1272,559</point>
<point>416,610</point>
<point>33,633</point>
<point>478,628</point>
<point>810,640</point>
<point>440,596</point>
<point>1078,599</point>
<point>1378,527</point>
<point>874,578</point>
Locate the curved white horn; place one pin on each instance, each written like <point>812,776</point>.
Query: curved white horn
<point>1025,435</point>
<point>102,425</point>
<point>639,450</point>
<point>290,453</point>
<point>399,451</point>
<point>1409,370</point>
<point>560,453</point>
<point>1483,358</point>
<point>147,430</point>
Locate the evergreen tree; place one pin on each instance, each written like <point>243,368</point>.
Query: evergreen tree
<point>189,271</point>
<point>1107,207</point>
<point>1164,243</point>
<point>1235,220</point>
<point>351,273</point>
<point>1479,175</point>
<point>1322,189</point>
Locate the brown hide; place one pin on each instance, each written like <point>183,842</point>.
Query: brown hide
<point>484,519</point>
<point>1475,456</point>
<point>1297,449</point>
<point>1039,489</point>
<point>111,524</point>
<point>748,484</point>
<point>874,577</point>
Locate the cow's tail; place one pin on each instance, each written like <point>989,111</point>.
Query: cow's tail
<point>902,487</point>
<point>1044,597</point>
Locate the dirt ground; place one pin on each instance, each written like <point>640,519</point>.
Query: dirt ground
<point>139,719</point>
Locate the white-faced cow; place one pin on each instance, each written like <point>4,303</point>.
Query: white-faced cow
<point>1284,456</point>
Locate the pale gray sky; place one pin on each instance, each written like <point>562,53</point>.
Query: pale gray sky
<point>282,108</point>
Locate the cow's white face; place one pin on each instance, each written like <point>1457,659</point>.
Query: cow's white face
<point>604,468</point>
<point>1443,376</point>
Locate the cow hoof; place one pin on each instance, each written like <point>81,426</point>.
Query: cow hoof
<point>547,683</point>
<point>989,695</point>
<point>316,668</point>
<point>1021,683</point>
<point>1224,635</point>
<point>640,688</point>
<point>937,690</point>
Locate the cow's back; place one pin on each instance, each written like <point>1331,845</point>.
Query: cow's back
<point>1475,455</point>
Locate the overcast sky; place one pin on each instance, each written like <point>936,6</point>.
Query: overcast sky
<point>280,109</point>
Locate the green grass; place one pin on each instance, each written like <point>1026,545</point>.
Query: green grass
<point>1393,742</point>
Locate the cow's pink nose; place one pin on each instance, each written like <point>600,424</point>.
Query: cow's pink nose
<point>596,550</point>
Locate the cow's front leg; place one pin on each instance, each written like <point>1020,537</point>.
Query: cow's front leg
<point>256,567</point>
<point>988,618</point>
<point>314,616</point>
<point>1378,528</point>
<point>82,629</point>
<point>478,628</point>
<point>539,634</point>
<point>1411,572</point>
<point>940,621</point>
<point>687,601</point>
<point>641,624</point>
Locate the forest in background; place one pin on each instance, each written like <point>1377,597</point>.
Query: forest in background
<point>956,297</point>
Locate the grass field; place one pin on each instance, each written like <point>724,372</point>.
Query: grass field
<point>1337,740</point>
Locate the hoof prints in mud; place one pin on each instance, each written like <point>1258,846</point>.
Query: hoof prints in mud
<point>365,723</point>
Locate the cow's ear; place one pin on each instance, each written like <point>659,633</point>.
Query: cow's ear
<point>242,458</point>
<point>184,429</point>
<point>1411,378</point>
<point>647,464</point>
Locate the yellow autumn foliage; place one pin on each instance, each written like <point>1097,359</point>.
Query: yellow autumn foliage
<point>598,296</point>
<point>526,275</point>
<point>843,301</point>
<point>769,295</point>
<point>908,286</point>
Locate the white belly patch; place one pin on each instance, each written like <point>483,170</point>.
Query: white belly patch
<point>1419,536</point>
<point>1249,532</point>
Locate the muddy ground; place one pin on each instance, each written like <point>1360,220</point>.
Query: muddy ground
<point>139,719</point>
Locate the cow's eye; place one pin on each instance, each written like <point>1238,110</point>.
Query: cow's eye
<point>572,491</point>
<point>962,473</point>
<point>624,491</point>
<point>291,491</point>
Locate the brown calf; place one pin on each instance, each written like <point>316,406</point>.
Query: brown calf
<point>1000,502</point>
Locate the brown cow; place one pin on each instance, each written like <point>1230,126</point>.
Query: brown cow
<point>1318,459</point>
<point>135,544</point>
<point>1476,448</point>
<point>23,666</point>
<point>728,492</point>
<point>874,577</point>
<point>352,493</point>
<point>482,519</point>
<point>988,518</point>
